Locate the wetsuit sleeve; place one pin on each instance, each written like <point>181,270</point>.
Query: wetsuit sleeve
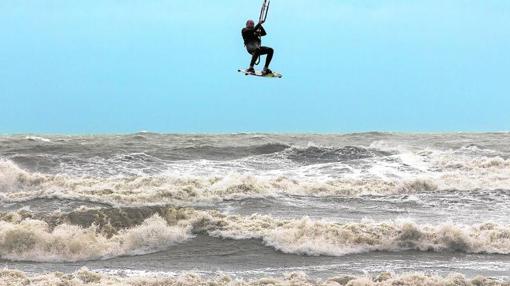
<point>262,30</point>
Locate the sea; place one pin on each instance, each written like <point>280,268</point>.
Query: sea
<point>255,209</point>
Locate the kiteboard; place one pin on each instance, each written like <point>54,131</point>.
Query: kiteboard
<point>259,74</point>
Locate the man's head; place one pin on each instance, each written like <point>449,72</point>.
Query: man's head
<point>250,24</point>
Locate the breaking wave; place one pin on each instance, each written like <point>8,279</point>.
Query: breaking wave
<point>98,234</point>
<point>87,277</point>
<point>37,138</point>
<point>20,185</point>
<point>187,189</point>
<point>34,240</point>
<point>311,237</point>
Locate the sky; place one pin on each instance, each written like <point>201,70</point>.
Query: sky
<point>123,66</point>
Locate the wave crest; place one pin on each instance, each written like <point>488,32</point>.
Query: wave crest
<point>322,154</point>
<point>183,189</point>
<point>34,240</point>
<point>92,234</point>
<point>19,185</point>
<point>312,237</point>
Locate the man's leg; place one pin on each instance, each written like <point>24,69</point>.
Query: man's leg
<point>269,52</point>
<point>255,55</point>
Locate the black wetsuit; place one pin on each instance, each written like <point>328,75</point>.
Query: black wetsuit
<point>252,42</point>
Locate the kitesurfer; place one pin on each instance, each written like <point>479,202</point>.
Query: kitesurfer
<point>252,40</point>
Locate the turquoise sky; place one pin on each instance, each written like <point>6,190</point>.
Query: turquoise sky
<point>111,66</point>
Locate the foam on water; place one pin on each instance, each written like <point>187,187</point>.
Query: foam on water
<point>87,277</point>
<point>316,237</point>
<point>37,138</point>
<point>185,189</point>
<point>114,234</point>
<point>34,240</point>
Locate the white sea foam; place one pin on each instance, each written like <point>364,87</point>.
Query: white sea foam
<point>33,240</point>
<point>87,277</point>
<point>316,237</point>
<point>402,170</point>
<point>38,138</point>
<point>446,172</point>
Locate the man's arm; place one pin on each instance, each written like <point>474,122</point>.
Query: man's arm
<point>260,30</point>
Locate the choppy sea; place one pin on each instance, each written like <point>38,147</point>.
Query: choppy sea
<point>255,209</point>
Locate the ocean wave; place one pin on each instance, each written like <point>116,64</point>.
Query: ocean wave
<point>17,185</point>
<point>326,154</point>
<point>449,162</point>
<point>96,234</point>
<point>34,240</point>
<point>204,181</point>
<point>315,237</point>
<point>229,152</point>
<point>86,277</point>
<point>38,138</point>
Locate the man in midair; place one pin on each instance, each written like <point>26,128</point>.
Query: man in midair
<point>252,35</point>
